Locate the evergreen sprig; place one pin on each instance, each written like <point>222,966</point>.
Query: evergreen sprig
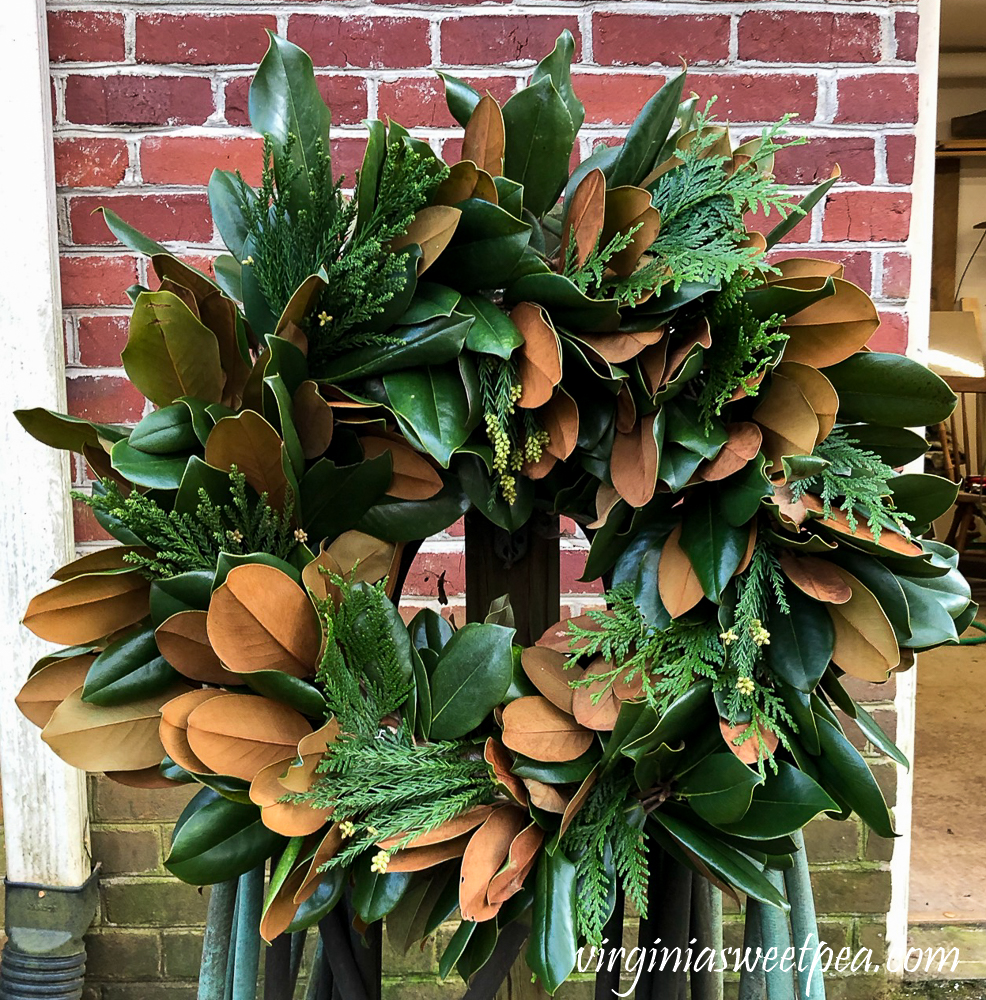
<point>182,541</point>
<point>860,478</point>
<point>668,661</point>
<point>606,841</point>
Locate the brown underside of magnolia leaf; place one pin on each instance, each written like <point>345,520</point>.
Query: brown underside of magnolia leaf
<point>484,138</point>
<point>536,728</point>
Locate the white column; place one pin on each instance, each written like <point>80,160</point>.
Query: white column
<point>44,800</point>
<point>919,318</point>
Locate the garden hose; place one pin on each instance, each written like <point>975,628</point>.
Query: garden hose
<point>975,640</point>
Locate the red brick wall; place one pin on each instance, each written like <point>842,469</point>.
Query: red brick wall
<point>148,98</point>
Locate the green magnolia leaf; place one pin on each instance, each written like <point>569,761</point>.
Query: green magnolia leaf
<point>411,520</point>
<point>231,200</point>
<point>216,839</point>
<point>279,686</point>
<point>471,679</point>
<point>492,331</point>
<point>568,306</point>
<point>429,630</point>
<point>677,466</point>
<point>431,343</point>
<point>165,431</point>
<point>540,135</point>
<point>456,947</point>
<point>551,950</point>
<point>806,204</point>
<point>926,497</point>
<point>129,236</point>
<point>510,196</point>
<point>798,703</point>
<point>486,496</point>
<point>374,895</point>
<point>564,773</point>
<point>283,422</point>
<point>59,430</point>
<point>784,803</point>
<point>285,104</point>
<point>323,900</point>
<point>722,859</point>
<point>872,731</point>
<point>229,275</point>
<point>557,65</point>
<point>431,301</point>
<point>433,408</point>
<point>895,445</point>
<point>227,562</point>
<point>335,497</point>
<point>486,247</point>
<point>129,669</point>
<point>844,771</point>
<point>714,547</point>
<point>478,951</point>
<point>170,353</point>
<point>159,472</point>
<point>780,299</point>
<point>687,428</point>
<point>186,592</point>
<point>637,157</point>
<point>368,182</point>
<point>460,97</point>
<point>720,788</point>
<point>930,622</point>
<point>801,642</point>
<point>878,388</point>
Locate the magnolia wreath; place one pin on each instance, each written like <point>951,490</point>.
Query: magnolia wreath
<point>503,335</point>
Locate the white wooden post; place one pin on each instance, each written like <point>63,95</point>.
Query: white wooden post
<point>919,318</point>
<point>45,817</point>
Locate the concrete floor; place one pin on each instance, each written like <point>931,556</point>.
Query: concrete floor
<point>948,855</point>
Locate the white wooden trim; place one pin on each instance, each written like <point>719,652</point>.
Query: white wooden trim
<point>45,817</point>
<point>919,317</point>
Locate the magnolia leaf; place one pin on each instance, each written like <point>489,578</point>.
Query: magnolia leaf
<point>891,542</point>
<point>817,578</point>
<point>108,738</point>
<point>184,642</point>
<point>560,418</point>
<point>128,669</point>
<point>819,392</point>
<point>88,607</point>
<point>807,267</point>
<point>290,819</point>
<point>720,787</point>
<point>523,853</point>
<point>484,138</point>
<point>551,950</point>
<point>174,728</point>
<point>416,859</point>
<point>634,461</point>
<point>678,584</point>
<point>539,360</point>
<point>578,800</point>
<point>595,705</point>
<point>714,546</point>
<point>536,728</point>
<point>170,353</point>
<point>240,734</point>
<point>414,477</point>
<point>260,619</point>
<point>627,208</point>
<point>545,667</point>
<point>466,180</point>
<point>60,430</point>
<point>48,687</point>
<point>500,762</point>
<point>585,216</point>
<point>831,329</point>
<point>314,419</point>
<point>451,829</point>
<point>742,444</point>
<point>146,777</point>
<point>354,556</point>
<point>789,423</point>
<point>432,229</point>
<point>865,645</point>
<point>487,850</point>
<point>251,444</point>
<point>748,751</point>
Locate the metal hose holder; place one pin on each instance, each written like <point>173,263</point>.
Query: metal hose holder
<point>45,954</point>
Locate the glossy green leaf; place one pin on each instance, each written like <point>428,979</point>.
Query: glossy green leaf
<point>492,331</point>
<point>60,430</point>
<point>783,300</point>
<point>165,431</point>
<point>806,204</point>
<point>158,472</point>
<point>228,562</point>
<point>540,135</point>
<point>638,155</point>
<point>216,839</point>
<point>486,497</point>
<point>486,247</point>
<point>431,343</point>
<point>231,200</point>
<point>129,236</point>
<point>279,686</point>
<point>412,520</point>
<point>456,946</point>
<point>872,731</point>
<point>895,445</point>
<point>720,788</point>
<point>460,97</point>
<point>568,306</point>
<point>129,669</point>
<point>429,630</point>
<point>285,104</point>
<point>368,181</point>
<point>430,302</point>
<point>925,497</point>
<point>170,353</point>
<point>551,950</point>
<point>374,895</point>
<point>335,497</point>
<point>844,771</point>
<point>229,275</point>
<point>889,389</point>
<point>331,888</point>
<point>930,622</point>
<point>784,803</point>
<point>714,547</point>
<point>186,592</point>
<point>472,677</point>
<point>801,642</point>
<point>562,773</point>
<point>557,65</point>
<point>434,409</point>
